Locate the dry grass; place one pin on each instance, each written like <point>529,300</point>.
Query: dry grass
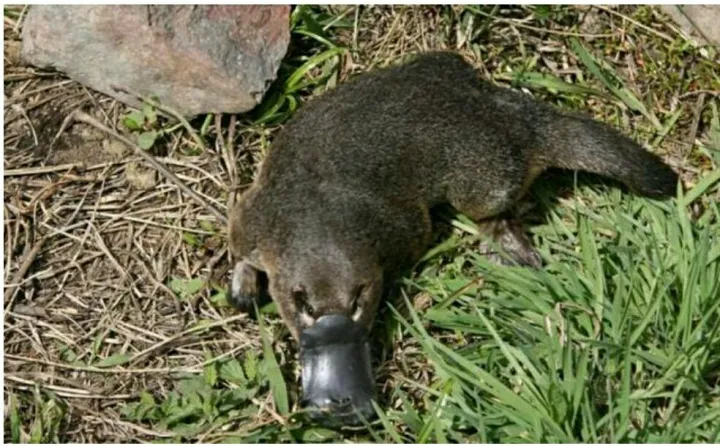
<point>94,240</point>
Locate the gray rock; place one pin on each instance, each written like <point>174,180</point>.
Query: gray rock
<point>195,59</point>
<point>699,21</point>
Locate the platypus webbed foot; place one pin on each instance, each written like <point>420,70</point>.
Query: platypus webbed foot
<point>508,235</point>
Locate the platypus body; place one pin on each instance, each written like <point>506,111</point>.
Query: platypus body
<point>341,204</point>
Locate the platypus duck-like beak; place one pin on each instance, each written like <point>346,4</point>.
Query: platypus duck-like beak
<point>337,379</point>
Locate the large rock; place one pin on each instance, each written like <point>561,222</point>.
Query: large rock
<point>195,59</point>
<point>701,22</point>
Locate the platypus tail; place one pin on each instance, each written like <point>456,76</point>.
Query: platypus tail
<point>580,143</point>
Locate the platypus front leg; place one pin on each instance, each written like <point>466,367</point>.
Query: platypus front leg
<point>248,285</point>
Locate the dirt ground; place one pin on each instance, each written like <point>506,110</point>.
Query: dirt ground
<point>95,239</point>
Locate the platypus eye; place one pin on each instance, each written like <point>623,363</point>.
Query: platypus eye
<point>301,301</point>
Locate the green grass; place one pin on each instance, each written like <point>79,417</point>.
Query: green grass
<point>41,412</point>
<point>617,339</point>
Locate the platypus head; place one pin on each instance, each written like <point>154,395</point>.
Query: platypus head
<point>327,285</point>
<point>328,294</point>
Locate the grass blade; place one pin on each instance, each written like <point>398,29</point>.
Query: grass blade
<point>293,82</point>
<point>554,84</point>
<point>114,360</point>
<point>621,93</point>
<point>277,383</point>
<point>701,187</point>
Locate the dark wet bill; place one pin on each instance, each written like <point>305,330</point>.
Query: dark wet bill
<point>337,378</point>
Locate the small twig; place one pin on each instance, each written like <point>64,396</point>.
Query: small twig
<point>65,392</point>
<point>231,132</point>
<point>20,97</point>
<point>28,259</point>
<point>139,428</point>
<point>87,119</point>
<point>46,100</point>
<point>692,134</point>
<point>231,160</point>
<point>218,131</point>
<point>127,217</point>
<point>206,174</point>
<point>46,274</point>
<point>100,243</point>
<point>95,102</point>
<point>66,122</point>
<point>108,370</point>
<point>714,93</point>
<point>636,23</point>
<point>18,24</point>
<point>541,30</point>
<point>272,412</point>
<point>22,112</point>
<point>39,170</point>
<point>355,28</point>
<point>159,284</point>
<point>179,336</point>
<point>14,77</point>
<point>223,148</point>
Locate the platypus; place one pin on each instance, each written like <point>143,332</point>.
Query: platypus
<point>342,203</point>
